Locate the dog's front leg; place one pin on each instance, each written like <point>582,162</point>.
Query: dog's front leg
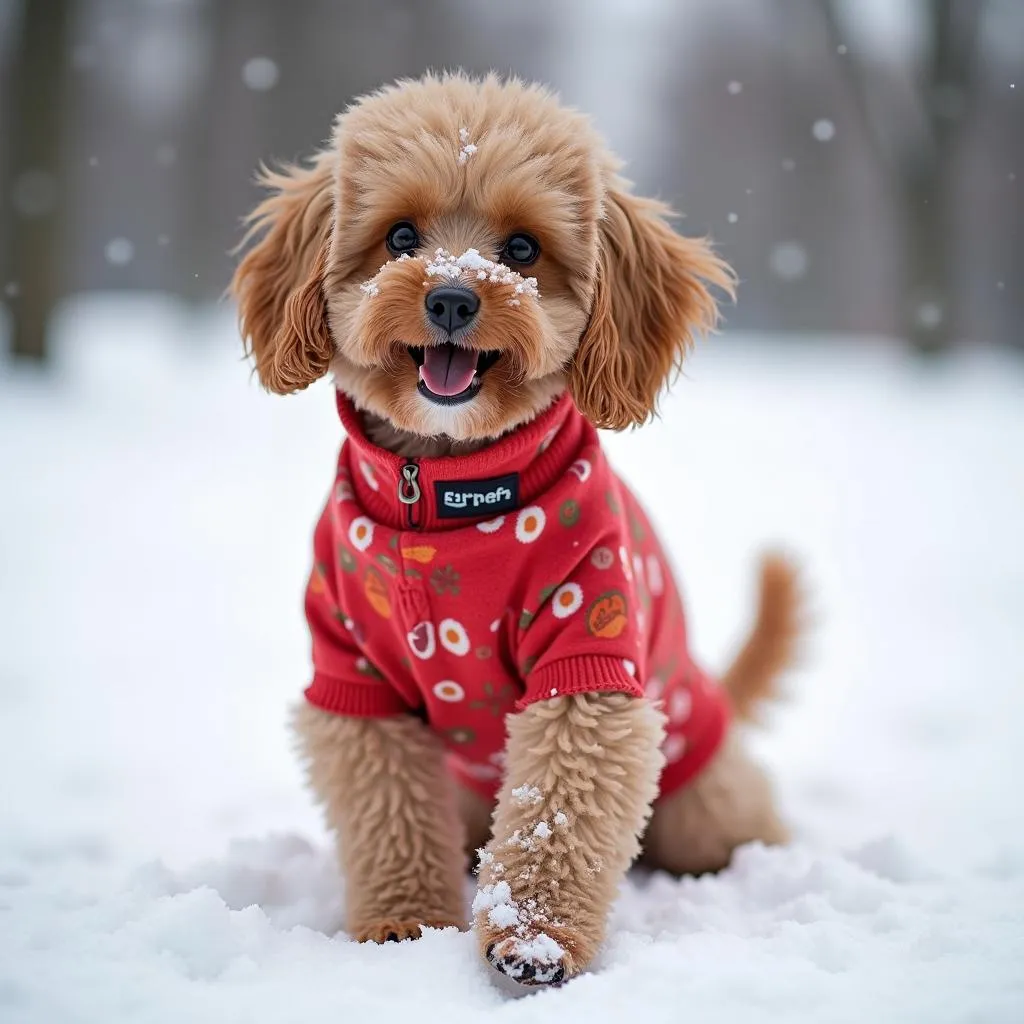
<point>581,774</point>
<point>387,796</point>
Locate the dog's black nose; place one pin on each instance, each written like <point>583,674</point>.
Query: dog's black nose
<point>451,308</point>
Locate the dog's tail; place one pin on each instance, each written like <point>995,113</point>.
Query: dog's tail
<point>753,677</point>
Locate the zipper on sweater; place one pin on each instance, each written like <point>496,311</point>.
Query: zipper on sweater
<point>409,492</point>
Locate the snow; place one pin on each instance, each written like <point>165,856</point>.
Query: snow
<point>260,73</point>
<point>444,264</point>
<point>527,795</point>
<point>823,130</point>
<point>119,251</point>
<point>466,148</point>
<point>160,860</point>
<point>788,261</point>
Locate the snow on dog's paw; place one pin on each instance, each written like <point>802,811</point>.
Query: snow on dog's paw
<point>397,929</point>
<point>519,940</point>
<point>539,960</point>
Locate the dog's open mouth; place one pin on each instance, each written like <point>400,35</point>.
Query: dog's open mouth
<point>451,374</point>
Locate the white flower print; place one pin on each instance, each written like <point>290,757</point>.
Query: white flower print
<point>655,579</point>
<point>343,491</point>
<point>602,558</point>
<point>491,525</point>
<point>674,747</point>
<point>449,691</point>
<point>654,689</point>
<point>680,705</point>
<point>530,524</point>
<point>453,636</point>
<point>638,567</point>
<point>360,532</point>
<point>566,600</point>
<point>627,569</point>
<point>369,475</point>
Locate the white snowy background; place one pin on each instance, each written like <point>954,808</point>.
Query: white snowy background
<point>160,860</point>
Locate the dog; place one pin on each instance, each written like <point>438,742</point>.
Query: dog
<point>500,661</point>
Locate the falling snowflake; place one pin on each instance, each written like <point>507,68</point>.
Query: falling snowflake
<point>119,252</point>
<point>929,315</point>
<point>788,260</point>
<point>823,130</point>
<point>260,73</point>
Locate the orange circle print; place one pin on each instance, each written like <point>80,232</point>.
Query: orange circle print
<point>377,593</point>
<point>606,617</point>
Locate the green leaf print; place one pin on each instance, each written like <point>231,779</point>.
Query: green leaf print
<point>388,564</point>
<point>527,666</point>
<point>636,530</point>
<point>569,513</point>
<point>346,559</point>
<point>497,701</point>
<point>445,580</point>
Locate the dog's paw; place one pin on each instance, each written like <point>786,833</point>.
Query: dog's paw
<point>397,929</point>
<point>540,959</point>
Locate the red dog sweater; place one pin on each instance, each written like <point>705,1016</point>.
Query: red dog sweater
<point>464,589</point>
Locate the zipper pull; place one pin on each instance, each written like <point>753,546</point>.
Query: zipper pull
<point>409,492</point>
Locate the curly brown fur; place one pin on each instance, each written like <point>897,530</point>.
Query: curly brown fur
<point>582,772</point>
<point>387,796</point>
<point>622,295</point>
<point>729,803</point>
<point>770,648</point>
<point>620,298</point>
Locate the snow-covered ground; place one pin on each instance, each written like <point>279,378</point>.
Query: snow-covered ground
<point>160,860</point>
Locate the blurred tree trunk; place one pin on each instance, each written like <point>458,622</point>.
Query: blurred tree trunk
<point>36,172</point>
<point>917,153</point>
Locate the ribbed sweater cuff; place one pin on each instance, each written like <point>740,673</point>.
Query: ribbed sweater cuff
<point>585,674</point>
<point>372,699</point>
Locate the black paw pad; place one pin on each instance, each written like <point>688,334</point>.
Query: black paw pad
<point>525,972</point>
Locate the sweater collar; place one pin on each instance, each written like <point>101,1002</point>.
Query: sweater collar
<point>451,491</point>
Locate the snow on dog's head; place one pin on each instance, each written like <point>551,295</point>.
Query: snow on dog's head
<point>461,253</point>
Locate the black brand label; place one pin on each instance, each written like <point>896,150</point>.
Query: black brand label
<point>463,498</point>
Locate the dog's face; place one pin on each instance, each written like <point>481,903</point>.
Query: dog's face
<point>461,253</point>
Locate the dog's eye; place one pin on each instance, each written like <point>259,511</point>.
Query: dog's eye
<point>521,248</point>
<point>401,238</point>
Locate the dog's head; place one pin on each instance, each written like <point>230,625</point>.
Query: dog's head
<point>459,254</point>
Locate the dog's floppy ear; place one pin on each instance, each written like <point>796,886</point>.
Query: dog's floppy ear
<point>651,298</point>
<point>279,282</point>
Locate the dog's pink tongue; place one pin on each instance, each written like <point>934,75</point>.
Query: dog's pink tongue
<point>448,369</point>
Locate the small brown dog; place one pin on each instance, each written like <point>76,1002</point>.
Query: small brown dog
<point>471,385</point>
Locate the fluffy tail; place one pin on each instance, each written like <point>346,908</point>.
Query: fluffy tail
<point>753,676</point>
